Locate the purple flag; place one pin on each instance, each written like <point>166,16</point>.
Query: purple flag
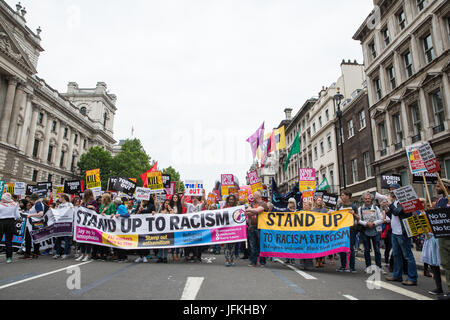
<point>256,139</point>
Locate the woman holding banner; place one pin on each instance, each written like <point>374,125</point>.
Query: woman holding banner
<point>230,248</point>
<point>64,203</point>
<point>9,213</point>
<point>121,213</point>
<point>177,208</point>
<point>318,206</point>
<point>88,203</point>
<point>36,220</point>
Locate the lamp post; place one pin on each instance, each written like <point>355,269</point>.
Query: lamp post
<point>337,99</point>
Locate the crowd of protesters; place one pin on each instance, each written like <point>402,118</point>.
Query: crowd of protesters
<point>384,230</point>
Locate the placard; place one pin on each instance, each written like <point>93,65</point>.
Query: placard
<point>142,194</point>
<point>20,188</point>
<point>308,196</point>
<point>154,182</point>
<point>431,178</point>
<point>227,180</point>
<point>307,179</point>
<point>125,185</point>
<point>413,225</point>
<point>416,164</point>
<point>93,179</point>
<point>193,188</point>
<point>440,222</point>
<point>73,187</point>
<point>389,179</point>
<point>408,199</point>
<point>429,158</point>
<point>166,181</point>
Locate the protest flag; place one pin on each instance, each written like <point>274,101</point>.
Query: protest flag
<point>280,138</point>
<point>295,149</point>
<point>144,175</point>
<point>256,140</point>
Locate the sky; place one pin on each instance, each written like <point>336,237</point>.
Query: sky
<point>196,78</point>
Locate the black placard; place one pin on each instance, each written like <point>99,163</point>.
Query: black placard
<point>440,222</point>
<point>430,177</point>
<point>72,187</point>
<point>389,179</point>
<point>166,181</point>
<point>125,185</point>
<point>111,183</point>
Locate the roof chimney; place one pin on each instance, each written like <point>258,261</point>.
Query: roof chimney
<point>288,112</point>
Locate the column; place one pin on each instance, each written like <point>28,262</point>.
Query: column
<point>415,53</point>
<point>30,142</point>
<point>427,123</point>
<point>57,155</point>
<point>70,151</point>
<point>6,115</point>
<point>19,102</point>
<point>27,116</point>
<point>404,121</point>
<point>44,150</point>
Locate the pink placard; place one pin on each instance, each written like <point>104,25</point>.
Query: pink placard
<point>229,234</point>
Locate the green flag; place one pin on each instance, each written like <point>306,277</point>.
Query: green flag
<point>2,187</point>
<point>323,185</point>
<point>294,150</point>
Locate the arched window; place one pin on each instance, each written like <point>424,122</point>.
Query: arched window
<point>83,111</point>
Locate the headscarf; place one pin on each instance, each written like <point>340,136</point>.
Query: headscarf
<point>7,200</point>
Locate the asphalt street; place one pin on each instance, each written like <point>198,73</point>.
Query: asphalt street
<point>49,279</point>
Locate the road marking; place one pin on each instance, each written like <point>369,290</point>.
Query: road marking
<point>349,297</point>
<point>399,290</point>
<point>289,283</point>
<point>101,281</point>
<point>192,288</point>
<point>42,275</point>
<point>303,274</point>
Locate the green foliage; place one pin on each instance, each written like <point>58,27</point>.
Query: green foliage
<point>131,162</point>
<point>174,176</point>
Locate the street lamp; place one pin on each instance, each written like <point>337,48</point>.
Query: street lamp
<point>337,99</point>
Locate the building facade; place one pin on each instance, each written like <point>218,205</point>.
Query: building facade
<point>357,146</point>
<point>407,64</point>
<point>43,133</point>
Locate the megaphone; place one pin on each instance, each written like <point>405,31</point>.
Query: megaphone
<point>380,197</point>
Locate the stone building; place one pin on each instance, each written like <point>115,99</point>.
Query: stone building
<point>43,133</point>
<point>407,63</point>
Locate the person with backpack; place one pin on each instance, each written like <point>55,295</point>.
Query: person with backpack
<point>371,219</point>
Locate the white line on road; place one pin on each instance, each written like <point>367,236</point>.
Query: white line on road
<point>349,297</point>
<point>192,288</point>
<point>42,275</point>
<point>399,290</point>
<point>303,274</point>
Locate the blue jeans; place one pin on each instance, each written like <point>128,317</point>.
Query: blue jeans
<point>66,245</point>
<point>254,245</point>
<point>368,242</point>
<point>402,244</point>
<point>343,255</point>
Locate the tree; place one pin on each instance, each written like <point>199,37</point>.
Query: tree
<point>96,158</point>
<point>132,161</point>
<point>174,176</point>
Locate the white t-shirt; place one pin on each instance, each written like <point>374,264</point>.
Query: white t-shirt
<point>9,212</point>
<point>396,224</point>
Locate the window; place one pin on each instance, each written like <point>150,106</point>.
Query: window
<point>84,143</point>
<point>35,148</point>
<point>391,75</point>
<point>314,128</point>
<point>332,179</point>
<point>386,38</point>
<point>351,130</point>
<point>330,144</point>
<point>54,126</point>
<point>105,118</point>
<point>320,122</point>
<point>315,153</point>
<point>416,123</point>
<point>373,50</point>
<point>398,131</point>
<point>438,111</point>
<point>447,168</point>
<point>408,64</point>
<point>72,165</point>
<point>62,181</point>
<point>404,178</point>
<point>401,18</point>
<point>354,166</point>
<point>75,139</point>
<point>327,115</point>
<point>35,175</point>
<point>83,111</point>
<point>40,118</point>
<point>66,132</point>
<point>362,119</point>
<point>322,148</point>
<point>428,48</point>
<point>61,161</point>
<point>377,86</point>
<point>49,177</point>
<point>50,154</point>
<point>383,138</point>
<point>421,4</point>
<point>367,167</point>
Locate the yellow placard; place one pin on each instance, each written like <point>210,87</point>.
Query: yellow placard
<point>415,225</point>
<point>155,181</point>
<point>93,179</point>
<point>10,188</point>
<point>59,189</point>
<point>305,221</point>
<point>257,187</point>
<point>122,241</point>
<point>243,195</point>
<point>307,185</point>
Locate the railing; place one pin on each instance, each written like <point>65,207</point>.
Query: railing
<point>416,138</point>
<point>438,128</point>
<point>398,146</point>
